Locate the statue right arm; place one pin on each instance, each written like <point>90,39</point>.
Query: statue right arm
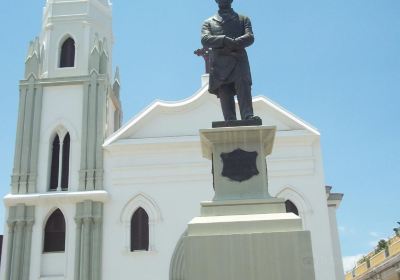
<point>208,39</point>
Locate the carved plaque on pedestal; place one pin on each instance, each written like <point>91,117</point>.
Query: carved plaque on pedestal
<point>239,165</point>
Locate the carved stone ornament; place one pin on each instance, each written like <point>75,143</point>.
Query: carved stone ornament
<point>239,165</point>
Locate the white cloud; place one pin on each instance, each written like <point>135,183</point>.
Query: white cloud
<point>374,234</point>
<point>346,230</point>
<point>350,262</point>
<point>373,243</point>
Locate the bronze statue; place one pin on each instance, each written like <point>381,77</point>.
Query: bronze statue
<point>228,34</point>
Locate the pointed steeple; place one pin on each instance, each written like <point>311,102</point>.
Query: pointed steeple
<point>116,75</point>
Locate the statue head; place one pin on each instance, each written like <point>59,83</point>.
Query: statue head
<point>223,4</point>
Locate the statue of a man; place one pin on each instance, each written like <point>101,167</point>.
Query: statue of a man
<point>228,34</point>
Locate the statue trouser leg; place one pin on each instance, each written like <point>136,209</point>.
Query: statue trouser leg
<point>227,99</point>
<point>243,92</point>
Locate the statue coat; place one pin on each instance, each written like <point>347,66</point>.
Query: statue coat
<point>227,65</point>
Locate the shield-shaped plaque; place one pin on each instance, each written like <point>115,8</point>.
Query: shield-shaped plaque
<point>239,165</point>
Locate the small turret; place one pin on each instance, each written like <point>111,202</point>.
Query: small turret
<point>99,58</point>
<point>32,61</point>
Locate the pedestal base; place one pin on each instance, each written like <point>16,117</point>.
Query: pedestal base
<point>247,240</point>
<point>257,256</point>
<point>237,123</point>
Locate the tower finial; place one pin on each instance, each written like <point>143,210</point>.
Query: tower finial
<point>116,76</point>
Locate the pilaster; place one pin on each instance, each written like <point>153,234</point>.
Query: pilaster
<point>24,176</point>
<point>89,220</point>
<point>93,127</point>
<point>10,242</point>
<point>20,223</point>
<point>27,249</point>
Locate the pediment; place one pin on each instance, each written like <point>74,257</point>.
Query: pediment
<point>186,117</point>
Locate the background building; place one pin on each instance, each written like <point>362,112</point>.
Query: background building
<point>381,264</point>
<point>93,200</point>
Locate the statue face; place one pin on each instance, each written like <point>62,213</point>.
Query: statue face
<point>224,3</point>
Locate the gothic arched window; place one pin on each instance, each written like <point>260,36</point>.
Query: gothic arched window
<point>54,233</point>
<point>67,55</point>
<point>59,169</point>
<point>65,162</point>
<point>55,160</point>
<point>140,231</point>
<point>291,207</point>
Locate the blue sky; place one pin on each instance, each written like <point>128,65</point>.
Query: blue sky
<point>334,63</point>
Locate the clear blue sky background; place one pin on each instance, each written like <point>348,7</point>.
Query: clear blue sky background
<point>334,63</point>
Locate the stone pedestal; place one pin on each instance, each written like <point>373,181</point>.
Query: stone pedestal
<point>250,146</point>
<point>244,233</point>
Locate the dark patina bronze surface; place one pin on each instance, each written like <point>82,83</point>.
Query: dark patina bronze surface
<point>228,34</point>
<point>239,165</point>
<point>253,122</point>
<point>205,54</point>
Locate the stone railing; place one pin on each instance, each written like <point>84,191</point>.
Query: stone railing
<point>375,259</point>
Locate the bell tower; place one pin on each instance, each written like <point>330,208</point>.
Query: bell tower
<point>69,103</point>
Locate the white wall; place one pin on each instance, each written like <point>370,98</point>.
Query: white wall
<point>173,181</point>
<point>336,241</point>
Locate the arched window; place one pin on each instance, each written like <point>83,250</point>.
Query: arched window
<point>140,230</point>
<point>59,169</point>
<point>67,56</point>
<point>65,162</point>
<point>54,233</point>
<point>291,207</point>
<point>55,159</point>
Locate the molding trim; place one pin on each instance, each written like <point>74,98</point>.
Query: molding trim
<point>55,197</point>
<point>300,200</point>
<point>63,80</point>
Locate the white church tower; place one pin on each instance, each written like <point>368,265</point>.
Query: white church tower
<point>68,106</point>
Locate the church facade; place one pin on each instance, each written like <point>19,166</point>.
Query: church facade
<point>91,199</point>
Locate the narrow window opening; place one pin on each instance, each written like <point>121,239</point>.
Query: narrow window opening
<point>55,157</point>
<point>65,163</point>
<point>291,207</point>
<point>67,57</point>
<point>54,233</point>
<point>140,231</point>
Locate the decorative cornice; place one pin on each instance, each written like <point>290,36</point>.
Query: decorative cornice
<point>64,80</point>
<point>62,197</point>
<point>334,199</point>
